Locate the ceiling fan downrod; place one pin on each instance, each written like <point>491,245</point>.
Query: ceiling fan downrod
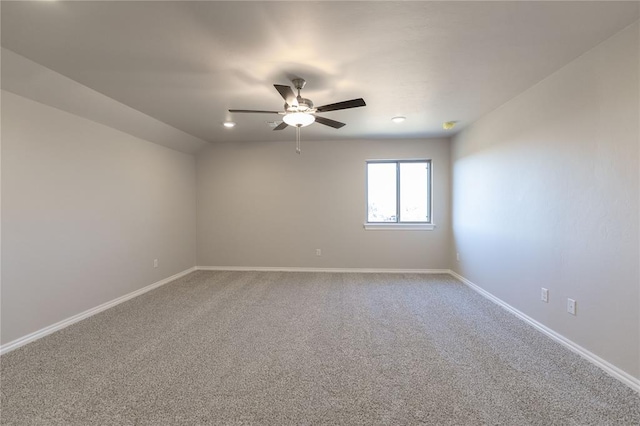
<point>299,84</point>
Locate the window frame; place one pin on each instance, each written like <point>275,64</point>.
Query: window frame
<point>398,225</point>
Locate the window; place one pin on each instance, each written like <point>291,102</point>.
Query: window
<point>399,194</point>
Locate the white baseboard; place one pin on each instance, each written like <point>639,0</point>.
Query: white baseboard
<point>347,270</point>
<point>78,317</point>
<point>612,370</point>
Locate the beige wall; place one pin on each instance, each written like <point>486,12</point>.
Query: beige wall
<point>261,204</point>
<point>85,210</point>
<point>545,194</point>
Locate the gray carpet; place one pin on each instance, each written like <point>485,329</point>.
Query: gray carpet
<point>276,348</point>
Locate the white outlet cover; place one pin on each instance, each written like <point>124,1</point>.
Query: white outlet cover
<point>544,296</point>
<point>571,306</point>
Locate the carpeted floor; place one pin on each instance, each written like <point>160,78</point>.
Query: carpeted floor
<point>278,348</point>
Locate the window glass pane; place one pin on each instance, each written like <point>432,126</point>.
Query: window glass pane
<point>414,192</point>
<point>381,192</point>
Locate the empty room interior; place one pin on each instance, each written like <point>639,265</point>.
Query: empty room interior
<point>320,212</point>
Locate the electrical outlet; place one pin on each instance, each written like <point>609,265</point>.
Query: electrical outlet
<point>458,257</point>
<point>571,306</point>
<point>155,263</point>
<point>318,252</point>
<point>544,296</point>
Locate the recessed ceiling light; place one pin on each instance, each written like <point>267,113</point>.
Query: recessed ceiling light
<point>398,119</point>
<point>448,125</point>
<point>229,124</point>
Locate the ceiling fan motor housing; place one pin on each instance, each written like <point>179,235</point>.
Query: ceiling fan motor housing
<point>304,105</point>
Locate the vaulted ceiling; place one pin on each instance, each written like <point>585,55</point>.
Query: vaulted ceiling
<point>186,63</point>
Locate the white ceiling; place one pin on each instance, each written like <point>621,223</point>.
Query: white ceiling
<point>185,63</point>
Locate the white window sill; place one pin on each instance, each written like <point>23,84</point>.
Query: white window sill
<point>399,226</point>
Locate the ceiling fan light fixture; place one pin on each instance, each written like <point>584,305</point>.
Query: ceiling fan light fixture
<point>229,124</point>
<point>298,119</point>
<point>398,119</point>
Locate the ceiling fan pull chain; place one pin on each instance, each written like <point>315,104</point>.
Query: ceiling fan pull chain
<point>298,139</point>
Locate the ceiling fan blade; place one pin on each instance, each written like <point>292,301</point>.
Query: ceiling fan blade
<point>328,122</point>
<point>353,103</point>
<point>281,126</point>
<point>287,94</point>
<point>254,110</point>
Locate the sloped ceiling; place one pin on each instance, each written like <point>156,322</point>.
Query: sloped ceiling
<point>186,63</point>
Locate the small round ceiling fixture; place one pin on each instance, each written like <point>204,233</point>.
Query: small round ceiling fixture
<point>229,124</point>
<point>448,125</point>
<point>398,119</point>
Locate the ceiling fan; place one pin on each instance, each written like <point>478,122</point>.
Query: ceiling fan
<point>300,112</point>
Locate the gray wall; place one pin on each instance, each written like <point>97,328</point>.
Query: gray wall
<point>261,204</point>
<point>545,194</point>
<point>85,210</point>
